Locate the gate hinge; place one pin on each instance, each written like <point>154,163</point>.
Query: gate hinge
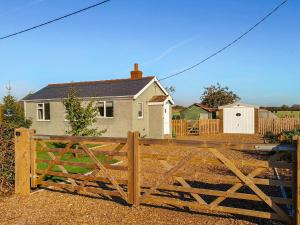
<point>33,176</point>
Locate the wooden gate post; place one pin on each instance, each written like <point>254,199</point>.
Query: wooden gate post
<point>33,165</point>
<point>22,161</point>
<point>133,168</point>
<point>297,184</point>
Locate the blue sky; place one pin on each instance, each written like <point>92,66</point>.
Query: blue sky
<point>163,37</point>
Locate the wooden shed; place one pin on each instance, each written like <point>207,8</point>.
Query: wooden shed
<point>198,111</point>
<point>239,118</point>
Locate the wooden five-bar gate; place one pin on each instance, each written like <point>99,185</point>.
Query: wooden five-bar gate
<point>197,177</point>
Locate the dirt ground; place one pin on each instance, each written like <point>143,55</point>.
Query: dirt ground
<point>244,138</point>
<point>55,208</point>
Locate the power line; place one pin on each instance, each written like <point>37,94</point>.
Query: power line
<point>54,20</point>
<point>228,45</point>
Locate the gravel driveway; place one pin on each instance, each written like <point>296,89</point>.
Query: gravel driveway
<point>51,207</point>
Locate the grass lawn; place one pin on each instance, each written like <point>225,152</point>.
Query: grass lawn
<point>67,157</point>
<point>288,113</point>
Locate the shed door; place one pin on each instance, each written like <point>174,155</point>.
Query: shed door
<point>239,120</point>
<point>167,118</point>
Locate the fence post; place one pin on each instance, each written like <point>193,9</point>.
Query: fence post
<point>137,185</point>
<point>33,146</point>
<point>133,168</point>
<point>130,155</point>
<point>22,161</point>
<point>297,184</point>
<point>221,121</point>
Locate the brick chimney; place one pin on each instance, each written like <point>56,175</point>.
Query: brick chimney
<point>136,74</point>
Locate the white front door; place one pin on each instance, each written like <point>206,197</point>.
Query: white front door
<point>239,120</point>
<point>166,115</point>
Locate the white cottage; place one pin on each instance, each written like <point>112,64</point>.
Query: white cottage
<point>239,118</point>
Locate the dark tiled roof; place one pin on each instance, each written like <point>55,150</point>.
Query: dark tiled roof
<point>205,107</point>
<point>105,88</point>
<point>158,98</point>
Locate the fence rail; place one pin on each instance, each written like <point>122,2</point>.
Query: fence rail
<point>213,126</point>
<point>177,182</point>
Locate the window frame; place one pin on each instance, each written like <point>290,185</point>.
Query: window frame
<point>105,112</point>
<point>142,104</point>
<point>44,114</point>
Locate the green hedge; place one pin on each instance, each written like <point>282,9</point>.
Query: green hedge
<point>288,135</point>
<point>7,159</point>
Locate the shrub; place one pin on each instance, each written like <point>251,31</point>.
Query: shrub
<point>288,135</point>
<point>13,113</point>
<point>270,137</point>
<point>7,158</point>
<point>81,118</point>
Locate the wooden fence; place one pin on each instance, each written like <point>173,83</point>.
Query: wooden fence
<point>278,125</point>
<point>178,183</point>
<point>195,127</point>
<point>212,126</point>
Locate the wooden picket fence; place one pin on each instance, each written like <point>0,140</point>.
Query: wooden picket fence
<point>179,183</point>
<point>195,127</point>
<point>278,125</point>
<point>212,126</point>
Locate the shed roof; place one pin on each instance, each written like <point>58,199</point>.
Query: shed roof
<point>205,107</point>
<point>239,104</point>
<point>103,88</point>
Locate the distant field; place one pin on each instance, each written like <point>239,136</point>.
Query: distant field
<point>288,113</point>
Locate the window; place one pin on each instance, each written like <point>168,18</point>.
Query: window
<point>109,109</point>
<point>100,106</point>
<point>43,111</point>
<point>106,109</point>
<point>140,110</point>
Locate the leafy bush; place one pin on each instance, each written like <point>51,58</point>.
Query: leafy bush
<point>13,113</point>
<point>288,135</point>
<point>81,118</point>
<point>270,137</point>
<point>173,134</point>
<point>7,158</point>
